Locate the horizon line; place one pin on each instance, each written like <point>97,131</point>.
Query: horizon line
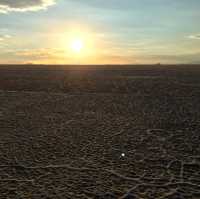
<point>139,64</point>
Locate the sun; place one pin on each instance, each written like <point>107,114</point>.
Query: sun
<point>77,45</point>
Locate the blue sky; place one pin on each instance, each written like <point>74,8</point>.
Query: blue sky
<point>114,31</point>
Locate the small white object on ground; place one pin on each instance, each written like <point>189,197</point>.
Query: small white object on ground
<point>123,154</point>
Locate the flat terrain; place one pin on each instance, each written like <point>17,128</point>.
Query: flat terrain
<point>109,132</point>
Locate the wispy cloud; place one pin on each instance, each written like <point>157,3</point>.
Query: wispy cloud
<point>43,53</point>
<point>197,36</point>
<point>4,37</point>
<point>40,55</point>
<point>24,5</point>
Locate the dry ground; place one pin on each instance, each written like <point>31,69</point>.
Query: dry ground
<point>100,133</point>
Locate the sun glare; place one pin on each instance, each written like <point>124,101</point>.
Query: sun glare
<point>77,45</point>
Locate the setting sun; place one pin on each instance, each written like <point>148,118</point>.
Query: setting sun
<point>77,45</point>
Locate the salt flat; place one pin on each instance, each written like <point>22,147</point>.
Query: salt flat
<point>90,134</point>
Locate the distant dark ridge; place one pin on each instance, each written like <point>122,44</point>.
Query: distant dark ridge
<point>166,67</point>
<point>158,64</point>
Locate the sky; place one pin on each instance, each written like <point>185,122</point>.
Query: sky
<point>107,32</point>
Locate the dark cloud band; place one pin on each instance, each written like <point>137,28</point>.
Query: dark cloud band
<point>24,5</point>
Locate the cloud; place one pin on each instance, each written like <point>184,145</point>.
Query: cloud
<point>59,56</point>
<point>36,56</point>
<point>197,36</point>
<point>4,37</point>
<point>43,53</point>
<point>24,5</point>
